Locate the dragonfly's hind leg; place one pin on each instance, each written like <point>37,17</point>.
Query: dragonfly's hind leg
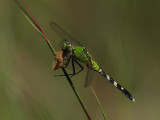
<point>73,66</point>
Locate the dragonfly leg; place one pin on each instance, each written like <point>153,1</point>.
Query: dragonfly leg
<point>73,66</point>
<point>74,72</point>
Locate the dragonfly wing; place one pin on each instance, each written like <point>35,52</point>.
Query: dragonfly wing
<point>89,78</point>
<point>90,72</point>
<point>63,34</point>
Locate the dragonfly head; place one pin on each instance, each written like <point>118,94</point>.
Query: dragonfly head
<point>67,47</point>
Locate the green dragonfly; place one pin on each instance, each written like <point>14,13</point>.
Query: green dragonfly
<point>73,49</point>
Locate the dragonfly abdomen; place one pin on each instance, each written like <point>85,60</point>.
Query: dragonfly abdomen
<point>118,86</point>
<point>94,66</point>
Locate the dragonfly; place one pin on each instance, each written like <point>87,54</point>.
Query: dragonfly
<point>75,52</point>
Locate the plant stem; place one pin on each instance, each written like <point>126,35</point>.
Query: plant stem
<point>44,35</point>
<point>76,93</point>
<point>100,106</point>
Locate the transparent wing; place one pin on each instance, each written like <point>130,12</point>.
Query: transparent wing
<point>63,34</point>
<point>89,78</point>
<point>90,72</point>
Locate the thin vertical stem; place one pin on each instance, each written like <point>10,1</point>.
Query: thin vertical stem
<point>44,35</point>
<point>98,102</point>
<point>76,93</point>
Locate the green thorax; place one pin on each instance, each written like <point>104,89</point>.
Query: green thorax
<point>83,55</point>
<point>80,54</point>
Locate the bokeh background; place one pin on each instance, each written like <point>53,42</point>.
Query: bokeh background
<point>122,36</point>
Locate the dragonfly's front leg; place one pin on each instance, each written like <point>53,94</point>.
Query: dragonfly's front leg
<point>67,62</point>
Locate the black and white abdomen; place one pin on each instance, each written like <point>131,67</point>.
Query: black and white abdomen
<point>118,86</point>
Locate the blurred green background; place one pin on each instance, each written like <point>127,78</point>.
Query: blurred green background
<point>122,36</point>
